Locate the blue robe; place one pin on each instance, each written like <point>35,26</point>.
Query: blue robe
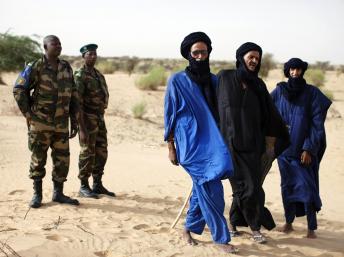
<point>201,151</point>
<point>305,117</point>
<point>200,147</point>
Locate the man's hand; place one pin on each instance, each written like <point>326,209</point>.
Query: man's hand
<point>172,155</point>
<point>83,135</point>
<point>73,129</point>
<point>270,153</point>
<point>28,119</point>
<point>270,147</point>
<point>306,158</point>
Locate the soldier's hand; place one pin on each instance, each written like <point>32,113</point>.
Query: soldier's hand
<point>172,155</point>
<point>306,158</point>
<point>28,119</point>
<point>73,130</point>
<point>83,135</point>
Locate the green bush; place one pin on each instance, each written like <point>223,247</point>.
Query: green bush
<point>179,67</point>
<point>151,81</point>
<point>315,77</point>
<point>106,66</point>
<point>217,66</point>
<point>324,66</point>
<point>340,70</point>
<point>130,64</point>
<point>139,110</point>
<point>16,51</point>
<point>268,64</point>
<point>328,93</point>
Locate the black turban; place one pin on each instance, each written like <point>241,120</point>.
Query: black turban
<point>295,63</point>
<point>245,48</point>
<point>191,39</point>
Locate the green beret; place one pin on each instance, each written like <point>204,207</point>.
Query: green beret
<point>89,47</point>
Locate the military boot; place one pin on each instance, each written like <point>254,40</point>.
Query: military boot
<point>59,197</point>
<point>85,190</point>
<point>98,187</point>
<point>36,201</point>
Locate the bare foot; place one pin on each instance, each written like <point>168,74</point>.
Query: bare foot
<point>228,248</point>
<point>188,238</point>
<point>311,234</point>
<point>286,228</point>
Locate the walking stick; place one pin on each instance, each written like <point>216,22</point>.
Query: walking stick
<point>182,209</point>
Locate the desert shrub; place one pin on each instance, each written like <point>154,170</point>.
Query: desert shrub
<point>340,70</point>
<point>16,51</point>
<point>106,66</point>
<point>315,77</point>
<point>268,63</point>
<point>139,109</point>
<point>217,66</point>
<point>180,66</point>
<point>130,64</point>
<point>328,93</point>
<point>143,66</point>
<point>324,66</point>
<point>153,79</point>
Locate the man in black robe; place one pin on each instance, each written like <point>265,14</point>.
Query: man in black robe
<point>250,125</point>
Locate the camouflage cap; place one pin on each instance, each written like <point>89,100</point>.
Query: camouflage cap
<point>88,47</point>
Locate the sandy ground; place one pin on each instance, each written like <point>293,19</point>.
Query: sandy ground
<point>150,191</point>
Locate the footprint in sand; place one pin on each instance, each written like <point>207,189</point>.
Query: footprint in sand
<point>56,238</point>
<point>141,227</point>
<point>101,253</point>
<point>176,254</point>
<point>15,192</point>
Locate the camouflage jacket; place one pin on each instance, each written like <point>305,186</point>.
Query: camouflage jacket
<point>47,96</point>
<point>93,91</point>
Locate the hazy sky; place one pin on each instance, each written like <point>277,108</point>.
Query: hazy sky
<point>310,29</point>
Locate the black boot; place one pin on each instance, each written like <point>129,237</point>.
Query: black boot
<point>98,187</point>
<point>36,201</point>
<point>59,197</point>
<point>85,190</point>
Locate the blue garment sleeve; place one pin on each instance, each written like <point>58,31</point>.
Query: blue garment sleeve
<point>21,90</point>
<point>23,80</point>
<point>315,142</point>
<point>170,109</point>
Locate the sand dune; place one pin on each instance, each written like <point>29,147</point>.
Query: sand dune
<point>150,190</point>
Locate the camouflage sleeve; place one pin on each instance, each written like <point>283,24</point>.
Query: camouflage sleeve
<point>74,103</point>
<point>106,93</point>
<point>79,85</point>
<point>21,90</point>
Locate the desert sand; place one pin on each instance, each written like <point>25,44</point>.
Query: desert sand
<point>150,191</point>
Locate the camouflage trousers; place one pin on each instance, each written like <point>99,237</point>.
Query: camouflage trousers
<point>93,156</point>
<point>39,143</point>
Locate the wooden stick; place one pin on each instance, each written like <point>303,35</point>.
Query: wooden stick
<point>182,209</point>
<point>84,230</point>
<point>27,212</point>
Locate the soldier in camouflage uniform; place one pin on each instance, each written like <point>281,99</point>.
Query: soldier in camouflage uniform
<point>93,99</point>
<point>47,110</point>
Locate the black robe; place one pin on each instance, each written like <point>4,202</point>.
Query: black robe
<point>246,118</point>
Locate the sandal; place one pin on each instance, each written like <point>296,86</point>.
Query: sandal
<point>259,238</point>
<point>234,233</point>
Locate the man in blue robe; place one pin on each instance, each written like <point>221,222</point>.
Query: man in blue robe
<point>195,142</point>
<point>303,107</point>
